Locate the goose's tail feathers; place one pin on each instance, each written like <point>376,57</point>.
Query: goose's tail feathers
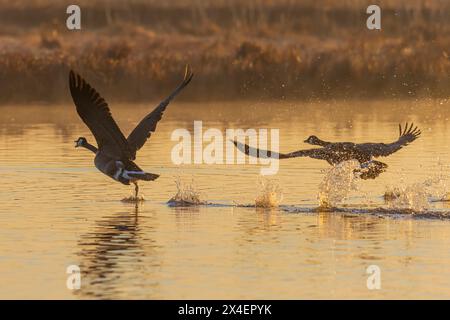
<point>141,175</point>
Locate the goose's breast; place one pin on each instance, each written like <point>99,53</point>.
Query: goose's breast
<point>105,164</point>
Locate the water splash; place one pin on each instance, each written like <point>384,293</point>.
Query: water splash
<point>270,194</point>
<point>416,196</point>
<point>187,194</point>
<point>412,197</point>
<point>338,182</point>
<point>133,199</point>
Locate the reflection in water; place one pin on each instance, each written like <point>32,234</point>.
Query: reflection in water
<point>348,226</point>
<point>265,220</point>
<point>75,215</point>
<point>112,250</point>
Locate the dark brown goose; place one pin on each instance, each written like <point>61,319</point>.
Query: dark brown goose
<point>337,152</point>
<point>115,153</point>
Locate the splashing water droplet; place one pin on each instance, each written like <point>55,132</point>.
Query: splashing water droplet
<point>270,194</point>
<point>411,197</point>
<point>133,199</point>
<point>187,194</point>
<point>415,197</point>
<point>338,182</point>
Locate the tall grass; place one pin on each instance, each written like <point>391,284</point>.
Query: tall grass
<point>136,50</point>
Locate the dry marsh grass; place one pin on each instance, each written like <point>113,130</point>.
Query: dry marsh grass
<point>136,50</point>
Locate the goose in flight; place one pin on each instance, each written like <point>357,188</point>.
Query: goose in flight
<point>114,153</point>
<point>337,152</point>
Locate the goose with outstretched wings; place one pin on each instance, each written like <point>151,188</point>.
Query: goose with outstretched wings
<point>337,152</point>
<point>114,153</point>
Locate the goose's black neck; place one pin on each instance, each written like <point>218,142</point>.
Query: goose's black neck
<point>322,143</point>
<point>89,146</point>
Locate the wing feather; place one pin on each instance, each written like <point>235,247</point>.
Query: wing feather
<point>407,134</point>
<point>144,129</point>
<point>95,113</point>
<point>318,153</point>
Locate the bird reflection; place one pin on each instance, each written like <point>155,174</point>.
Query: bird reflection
<point>347,226</point>
<point>112,256</point>
<point>260,222</point>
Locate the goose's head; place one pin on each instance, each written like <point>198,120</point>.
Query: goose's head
<point>313,140</point>
<point>80,142</point>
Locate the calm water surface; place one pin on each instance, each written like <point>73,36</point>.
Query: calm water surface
<point>58,210</point>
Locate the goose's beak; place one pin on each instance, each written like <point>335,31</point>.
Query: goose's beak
<point>306,141</point>
<point>76,144</point>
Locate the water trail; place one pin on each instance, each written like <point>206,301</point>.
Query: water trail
<point>187,194</point>
<point>337,184</point>
<point>270,194</point>
<point>379,212</point>
<point>416,196</point>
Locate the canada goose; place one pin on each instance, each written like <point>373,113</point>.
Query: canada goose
<point>115,153</point>
<point>337,152</point>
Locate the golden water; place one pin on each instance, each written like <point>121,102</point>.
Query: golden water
<point>58,210</point>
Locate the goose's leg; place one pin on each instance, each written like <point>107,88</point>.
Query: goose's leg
<point>136,190</point>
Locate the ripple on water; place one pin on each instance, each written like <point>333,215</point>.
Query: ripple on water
<point>60,210</point>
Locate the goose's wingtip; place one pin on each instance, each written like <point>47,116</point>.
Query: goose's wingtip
<point>408,128</point>
<point>188,74</point>
<point>72,78</point>
<point>72,73</point>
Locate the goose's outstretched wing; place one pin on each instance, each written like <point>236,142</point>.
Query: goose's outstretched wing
<point>406,135</point>
<point>95,113</point>
<point>144,129</point>
<point>318,153</point>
